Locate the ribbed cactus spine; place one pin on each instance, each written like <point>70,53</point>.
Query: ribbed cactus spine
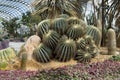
<point>87,45</point>
<point>75,32</point>
<point>42,54</point>
<point>95,34</point>
<point>65,50</point>
<point>73,21</point>
<point>43,27</point>
<point>23,61</point>
<point>63,16</point>
<point>60,25</point>
<point>83,56</point>
<point>111,42</point>
<point>51,39</point>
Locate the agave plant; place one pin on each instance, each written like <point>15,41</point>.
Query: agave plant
<point>53,8</point>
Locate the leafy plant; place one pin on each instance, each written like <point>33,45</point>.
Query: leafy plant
<point>11,26</point>
<point>115,58</point>
<point>100,70</point>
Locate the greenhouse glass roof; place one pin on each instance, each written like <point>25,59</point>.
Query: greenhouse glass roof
<point>14,8</point>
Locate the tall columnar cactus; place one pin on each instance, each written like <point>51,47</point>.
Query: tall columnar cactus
<point>94,33</point>
<point>60,25</point>
<point>51,39</point>
<point>87,45</point>
<point>42,54</point>
<point>83,56</point>
<point>43,27</point>
<point>75,32</point>
<point>65,50</point>
<point>23,61</point>
<point>111,41</point>
<point>118,40</point>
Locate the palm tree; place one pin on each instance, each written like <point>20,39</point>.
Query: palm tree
<point>53,8</point>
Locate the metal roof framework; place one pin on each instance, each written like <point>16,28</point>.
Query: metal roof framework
<point>14,8</point>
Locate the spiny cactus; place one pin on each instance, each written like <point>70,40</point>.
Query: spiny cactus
<point>73,21</point>
<point>87,44</point>
<point>42,54</point>
<point>43,27</point>
<point>7,54</point>
<point>75,32</point>
<point>63,16</point>
<point>94,33</point>
<point>111,41</point>
<point>51,39</point>
<point>65,50</point>
<point>23,61</point>
<point>60,25</point>
<point>83,56</point>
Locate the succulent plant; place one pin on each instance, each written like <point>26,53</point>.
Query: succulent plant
<point>42,54</point>
<point>51,39</point>
<point>75,32</point>
<point>63,16</point>
<point>83,56</point>
<point>74,20</point>
<point>7,54</point>
<point>23,61</point>
<point>60,25</point>
<point>43,27</point>
<point>111,41</point>
<point>65,50</point>
<point>95,33</point>
<point>87,45</point>
<point>118,40</point>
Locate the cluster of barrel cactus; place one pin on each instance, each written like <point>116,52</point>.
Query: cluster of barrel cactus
<point>66,38</point>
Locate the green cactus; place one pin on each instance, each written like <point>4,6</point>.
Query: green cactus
<point>87,45</point>
<point>51,39</point>
<point>63,16</point>
<point>60,25</point>
<point>65,50</point>
<point>43,27</point>
<point>75,32</point>
<point>95,33</point>
<point>74,20</point>
<point>23,61</point>
<point>111,41</point>
<point>7,54</point>
<point>42,54</point>
<point>83,56</point>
